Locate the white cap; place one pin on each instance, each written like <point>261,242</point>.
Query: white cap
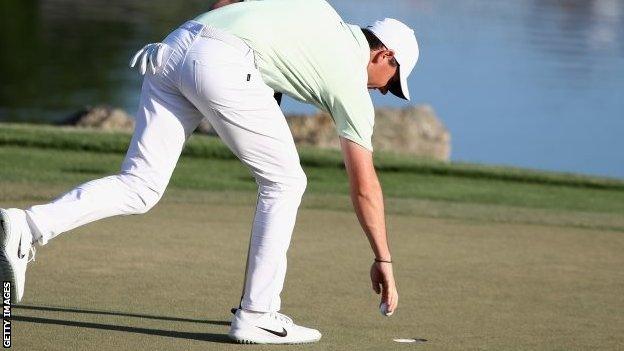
<point>398,37</point>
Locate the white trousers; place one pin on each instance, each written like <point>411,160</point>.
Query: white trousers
<point>207,74</point>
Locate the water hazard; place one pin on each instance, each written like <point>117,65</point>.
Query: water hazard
<point>531,83</point>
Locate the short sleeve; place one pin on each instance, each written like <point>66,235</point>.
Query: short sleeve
<point>354,119</point>
<point>350,106</point>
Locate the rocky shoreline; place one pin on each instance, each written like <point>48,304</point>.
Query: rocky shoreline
<point>414,130</point>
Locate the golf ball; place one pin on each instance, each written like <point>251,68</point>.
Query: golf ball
<point>383,308</point>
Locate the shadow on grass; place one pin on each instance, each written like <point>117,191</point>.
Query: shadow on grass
<point>212,337</point>
<point>121,314</point>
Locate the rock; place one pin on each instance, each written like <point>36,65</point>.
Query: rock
<point>413,130</point>
<point>315,130</point>
<point>102,117</point>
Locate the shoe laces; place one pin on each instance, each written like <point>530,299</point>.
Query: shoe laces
<point>32,251</point>
<point>31,254</point>
<point>282,318</point>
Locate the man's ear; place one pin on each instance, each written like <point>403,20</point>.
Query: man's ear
<point>381,55</point>
<point>389,54</point>
<point>378,56</point>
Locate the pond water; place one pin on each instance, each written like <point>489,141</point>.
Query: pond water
<point>529,83</point>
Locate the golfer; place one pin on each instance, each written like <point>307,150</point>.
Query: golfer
<point>225,66</point>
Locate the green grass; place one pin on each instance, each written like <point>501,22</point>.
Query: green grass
<point>486,258</point>
<point>211,148</point>
<point>71,156</point>
<point>166,280</point>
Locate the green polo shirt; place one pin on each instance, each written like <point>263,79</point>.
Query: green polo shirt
<point>305,50</point>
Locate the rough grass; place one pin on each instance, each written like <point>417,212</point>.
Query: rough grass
<point>67,156</point>
<point>68,138</point>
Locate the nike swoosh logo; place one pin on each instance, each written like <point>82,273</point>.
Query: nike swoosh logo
<point>20,255</point>
<point>282,334</point>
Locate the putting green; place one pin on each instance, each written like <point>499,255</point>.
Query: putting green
<point>490,278</point>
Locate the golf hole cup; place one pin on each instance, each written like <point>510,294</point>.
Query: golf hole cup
<point>410,340</point>
<point>404,341</point>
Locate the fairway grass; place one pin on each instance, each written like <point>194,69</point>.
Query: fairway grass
<point>68,168</point>
<point>166,281</point>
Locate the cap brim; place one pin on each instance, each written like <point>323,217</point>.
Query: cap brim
<point>399,88</point>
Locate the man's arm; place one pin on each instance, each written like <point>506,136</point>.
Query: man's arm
<point>367,199</point>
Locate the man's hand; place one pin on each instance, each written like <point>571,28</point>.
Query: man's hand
<point>368,203</point>
<point>382,279</point>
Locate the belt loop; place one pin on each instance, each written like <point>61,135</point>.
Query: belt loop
<point>253,52</point>
<point>192,26</point>
<point>206,31</point>
<point>209,31</point>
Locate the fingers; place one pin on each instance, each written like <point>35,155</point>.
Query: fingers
<point>376,288</point>
<point>389,294</point>
<point>151,61</point>
<point>151,54</point>
<point>392,298</point>
<point>159,55</point>
<point>134,59</point>
<point>156,56</point>
<point>392,301</point>
<point>382,281</point>
<point>375,279</point>
<point>384,294</point>
<point>143,66</point>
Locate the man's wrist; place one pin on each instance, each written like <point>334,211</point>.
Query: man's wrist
<point>383,260</point>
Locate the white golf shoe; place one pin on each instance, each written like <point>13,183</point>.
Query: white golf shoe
<point>269,328</point>
<point>15,247</point>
